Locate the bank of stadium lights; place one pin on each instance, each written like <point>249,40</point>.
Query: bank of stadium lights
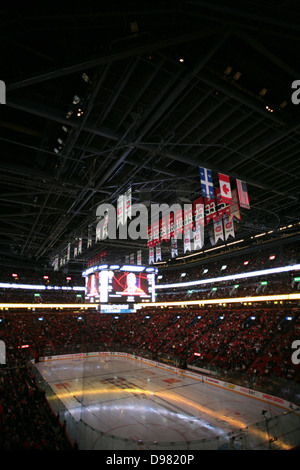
<point>262,272</point>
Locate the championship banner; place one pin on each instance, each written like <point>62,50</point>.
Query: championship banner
<point>56,264</point>
<point>210,210</point>
<point>178,223</point>
<point>149,240</point>
<point>235,208</point>
<point>105,227</point>
<point>131,259</point>
<point>163,229</point>
<point>80,246</point>
<point>89,240</point>
<point>151,255</point>
<point>139,257</point>
<point>218,231</point>
<point>222,207</point>
<point>199,212</point>
<point>188,219</point>
<point>75,251</point>
<point>127,259</point>
<point>69,252</point>
<point>120,211</point>
<point>98,234</point>
<point>158,252</point>
<point>170,226</point>
<point>155,233</point>
<point>228,227</point>
<point>187,241</point>
<point>174,250</point>
<point>198,237</point>
<point>127,204</point>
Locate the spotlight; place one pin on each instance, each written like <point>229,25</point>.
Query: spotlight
<point>56,150</point>
<point>60,141</point>
<point>64,128</point>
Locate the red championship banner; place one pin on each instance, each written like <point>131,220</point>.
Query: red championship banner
<point>199,212</point>
<point>163,229</point>
<point>178,223</point>
<point>210,209</point>
<point>170,226</point>
<point>188,218</point>
<point>155,233</point>
<point>150,240</point>
<point>222,207</point>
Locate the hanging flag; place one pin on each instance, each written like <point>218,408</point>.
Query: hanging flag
<point>158,252</point>
<point>210,210</point>
<point>80,246</point>
<point>131,258</point>
<point>127,204</point>
<point>225,188</point>
<point>155,232</point>
<point>206,181</point>
<point>120,210</point>
<point>235,208</point>
<point>198,237</point>
<point>243,194</point>
<point>163,229</point>
<point>178,222</point>
<point>228,227</point>
<point>188,218</point>
<point>174,250</point>
<point>218,231</point>
<point>187,241</point>
<point>151,255</point>
<point>199,212</point>
<point>149,240</point>
<point>139,257</point>
<point>222,207</point>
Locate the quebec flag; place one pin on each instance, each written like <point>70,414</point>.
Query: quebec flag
<point>206,181</point>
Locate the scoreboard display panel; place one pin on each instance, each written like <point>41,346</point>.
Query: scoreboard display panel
<point>126,284</point>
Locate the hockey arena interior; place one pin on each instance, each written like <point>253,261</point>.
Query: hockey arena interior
<point>150,226</point>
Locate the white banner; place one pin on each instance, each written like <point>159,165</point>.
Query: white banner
<point>139,257</point>
<point>127,204</point>
<point>151,255</point>
<point>187,241</point>
<point>174,250</point>
<point>198,237</point>
<point>120,211</point>
<point>158,252</point>
<point>228,227</point>
<point>218,231</point>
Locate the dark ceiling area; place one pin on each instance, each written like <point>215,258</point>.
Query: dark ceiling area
<point>163,88</point>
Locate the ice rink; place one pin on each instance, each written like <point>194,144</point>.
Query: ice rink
<point>130,399</point>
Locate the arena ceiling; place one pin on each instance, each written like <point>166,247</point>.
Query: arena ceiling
<point>164,87</point>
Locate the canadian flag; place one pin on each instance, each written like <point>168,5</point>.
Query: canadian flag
<point>225,188</point>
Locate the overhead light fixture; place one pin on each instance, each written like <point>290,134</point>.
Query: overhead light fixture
<point>56,150</point>
<point>263,92</point>
<point>228,70</point>
<point>69,114</point>
<point>85,77</point>
<point>76,99</point>
<point>64,128</point>
<point>60,141</point>
<point>237,76</point>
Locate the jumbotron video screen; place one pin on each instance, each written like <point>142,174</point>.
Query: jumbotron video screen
<point>128,284</point>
